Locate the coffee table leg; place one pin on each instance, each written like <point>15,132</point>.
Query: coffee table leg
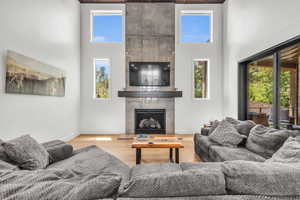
<point>171,155</point>
<point>177,155</point>
<point>138,156</point>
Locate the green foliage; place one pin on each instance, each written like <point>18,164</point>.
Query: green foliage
<point>285,82</point>
<point>200,79</point>
<point>261,85</point>
<point>102,90</point>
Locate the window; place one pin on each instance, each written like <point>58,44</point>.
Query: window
<point>102,78</point>
<point>196,26</point>
<point>200,80</point>
<point>107,26</point>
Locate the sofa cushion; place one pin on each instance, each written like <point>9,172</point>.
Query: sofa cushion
<point>219,197</point>
<point>254,178</point>
<point>225,134</point>
<point>7,166</point>
<point>92,160</point>
<point>288,153</point>
<point>220,154</point>
<point>265,141</point>
<point>56,184</point>
<point>200,165</point>
<point>152,168</point>
<point>205,143</point>
<point>243,127</point>
<point>58,150</point>
<point>147,181</point>
<point>199,149</point>
<point>27,153</point>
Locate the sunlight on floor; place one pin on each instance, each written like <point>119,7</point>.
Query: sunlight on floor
<point>104,139</point>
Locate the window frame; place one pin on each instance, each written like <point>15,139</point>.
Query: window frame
<point>105,13</point>
<point>109,80</point>
<point>197,12</point>
<point>207,79</point>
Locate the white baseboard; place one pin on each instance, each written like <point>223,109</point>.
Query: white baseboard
<point>103,132</point>
<point>186,132</point>
<point>100,132</point>
<point>69,137</point>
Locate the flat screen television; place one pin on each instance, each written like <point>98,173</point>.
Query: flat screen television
<point>149,74</point>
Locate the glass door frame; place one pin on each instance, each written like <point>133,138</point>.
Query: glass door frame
<point>243,79</point>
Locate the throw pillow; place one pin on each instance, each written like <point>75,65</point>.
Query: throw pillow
<point>243,127</point>
<point>213,127</point>
<point>265,141</point>
<point>27,153</point>
<point>58,150</point>
<point>3,155</point>
<point>225,134</point>
<point>288,153</point>
<point>232,120</point>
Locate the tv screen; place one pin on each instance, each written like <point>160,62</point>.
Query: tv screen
<point>149,74</point>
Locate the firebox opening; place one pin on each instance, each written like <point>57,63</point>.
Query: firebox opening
<point>150,121</point>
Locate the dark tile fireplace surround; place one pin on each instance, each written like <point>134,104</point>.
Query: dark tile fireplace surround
<point>150,109</point>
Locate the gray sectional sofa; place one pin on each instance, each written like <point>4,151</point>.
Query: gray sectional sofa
<point>230,180</point>
<point>211,151</point>
<point>258,145</point>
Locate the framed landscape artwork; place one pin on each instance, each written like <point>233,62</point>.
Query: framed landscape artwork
<point>25,75</point>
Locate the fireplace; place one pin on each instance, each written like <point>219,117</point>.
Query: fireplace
<point>150,121</point>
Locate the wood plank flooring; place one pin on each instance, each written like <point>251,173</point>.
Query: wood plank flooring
<point>122,148</point>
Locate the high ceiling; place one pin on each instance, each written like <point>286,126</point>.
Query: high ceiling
<point>175,1</point>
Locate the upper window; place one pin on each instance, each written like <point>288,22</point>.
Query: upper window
<point>106,26</point>
<point>196,26</point>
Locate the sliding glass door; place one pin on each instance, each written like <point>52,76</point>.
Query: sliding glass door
<point>269,86</point>
<point>260,90</point>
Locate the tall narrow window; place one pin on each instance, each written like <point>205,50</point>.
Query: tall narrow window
<point>289,86</point>
<point>106,26</point>
<point>102,78</point>
<point>196,26</point>
<point>200,81</point>
<point>260,91</point>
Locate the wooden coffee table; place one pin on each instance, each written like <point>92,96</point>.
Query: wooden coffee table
<point>170,142</point>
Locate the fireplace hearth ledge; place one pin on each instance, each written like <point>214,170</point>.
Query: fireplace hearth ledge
<point>150,94</point>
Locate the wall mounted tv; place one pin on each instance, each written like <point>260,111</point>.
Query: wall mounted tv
<point>149,74</point>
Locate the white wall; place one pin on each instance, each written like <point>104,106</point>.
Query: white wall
<point>101,116</point>
<point>48,31</point>
<point>191,113</point>
<point>250,27</point>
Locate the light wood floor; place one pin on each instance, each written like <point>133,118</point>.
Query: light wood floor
<point>122,148</point>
